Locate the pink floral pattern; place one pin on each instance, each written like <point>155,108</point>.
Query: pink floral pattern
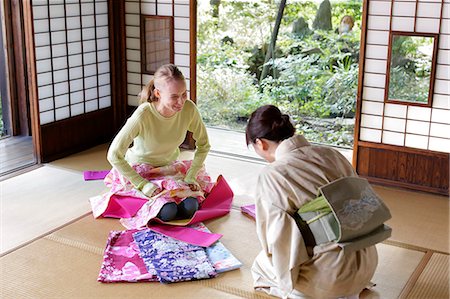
<point>169,179</point>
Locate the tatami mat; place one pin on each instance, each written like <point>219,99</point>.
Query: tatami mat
<point>41,200</point>
<point>65,264</point>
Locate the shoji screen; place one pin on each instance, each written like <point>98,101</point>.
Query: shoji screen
<point>395,142</point>
<point>180,11</point>
<point>72,57</point>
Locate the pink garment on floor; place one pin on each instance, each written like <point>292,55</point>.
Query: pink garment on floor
<point>187,234</point>
<point>121,260</point>
<point>123,199</point>
<point>249,210</point>
<point>95,174</point>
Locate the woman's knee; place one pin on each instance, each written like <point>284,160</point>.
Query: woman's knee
<point>187,207</point>
<point>168,211</point>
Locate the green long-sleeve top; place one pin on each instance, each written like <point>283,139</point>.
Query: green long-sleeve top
<point>156,140</point>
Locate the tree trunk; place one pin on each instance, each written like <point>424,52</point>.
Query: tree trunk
<point>273,40</point>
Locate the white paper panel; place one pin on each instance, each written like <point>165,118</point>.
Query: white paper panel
<point>377,37</point>
<point>395,110</point>
<point>164,9</point>
<point>101,7</point>
<point>442,86</point>
<point>87,8</point>
<point>181,10</point>
<point>46,117</point>
<point>148,9</point>
<point>374,80</point>
<point>44,79</point>
<point>89,58</point>
<point>59,50</point>
<point>101,20</point>
<point>102,44</point>
<point>76,109</point>
<point>46,104</point>
<point>62,100</point>
<point>104,79</point>
<point>133,43</point>
<point>91,105</point>
<point>418,127</point>
<point>40,12</point>
<point>132,7</point>
<point>181,35</point>
<point>134,67</point>
<point>374,108</point>
<point>103,67</point>
<point>89,46</point>
<point>43,66</point>
<point>402,24</point>
<point>88,33</point>
<point>185,71</point>
<point>370,135</point>
<point>104,91</point>
<point>419,113</point>
<point>75,60</point>
<point>75,72</point>
<point>377,52</point>
<point>72,9</point>
<point>394,124</point>
<point>182,60</point>
<point>443,57</point>
<point>439,144</point>
<point>102,55</point>
<point>74,35</point>
<point>73,22</point>
<point>393,138</point>
<point>427,25</point>
<point>133,55</point>
<point>181,48</point>
<point>371,121</point>
<point>444,41</point>
<point>87,21</point>
<point>102,32</point>
<point>90,81</point>
<point>58,37</point>
<point>181,23</point>
<point>429,10</point>
<point>446,11</point>
<point>57,24</point>
<point>440,130</point>
<point>133,32</point>
<point>375,66</point>
<point>379,8</point>
<point>76,85</point>
<point>134,78</point>
<point>133,89</point>
<point>132,100</point>
<point>90,94</point>
<point>77,97</point>
<point>42,52</point>
<point>61,88</point>
<point>132,19</point>
<point>41,39</point>
<point>105,102</point>
<point>441,101</point>
<point>373,94</point>
<point>41,26</point>
<point>416,141</point>
<point>146,78</point>
<point>59,63</point>
<point>440,116</point>
<point>443,72</point>
<point>57,11</point>
<point>378,23</point>
<point>404,9</point>
<point>60,76</point>
<point>445,26</point>
<point>185,2</point>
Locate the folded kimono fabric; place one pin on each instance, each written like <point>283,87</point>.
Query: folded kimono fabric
<point>173,260</point>
<point>249,210</point>
<point>186,234</point>
<point>90,175</point>
<point>121,260</point>
<point>220,257</point>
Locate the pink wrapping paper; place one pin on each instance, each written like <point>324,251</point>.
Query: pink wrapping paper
<point>249,210</point>
<point>187,234</point>
<point>95,174</point>
<point>123,206</point>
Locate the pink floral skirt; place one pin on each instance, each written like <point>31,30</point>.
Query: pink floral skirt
<point>169,179</point>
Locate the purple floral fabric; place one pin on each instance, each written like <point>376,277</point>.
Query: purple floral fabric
<point>173,260</point>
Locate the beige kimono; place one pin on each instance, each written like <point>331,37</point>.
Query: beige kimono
<point>283,268</point>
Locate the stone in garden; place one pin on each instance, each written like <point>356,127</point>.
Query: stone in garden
<point>323,16</point>
<point>300,27</point>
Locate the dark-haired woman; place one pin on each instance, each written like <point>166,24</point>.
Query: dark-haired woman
<point>287,267</point>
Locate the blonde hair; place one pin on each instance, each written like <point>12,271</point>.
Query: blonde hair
<point>167,72</point>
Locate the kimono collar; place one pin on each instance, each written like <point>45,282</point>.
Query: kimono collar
<point>289,145</point>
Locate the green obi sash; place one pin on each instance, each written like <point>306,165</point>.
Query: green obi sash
<point>347,211</point>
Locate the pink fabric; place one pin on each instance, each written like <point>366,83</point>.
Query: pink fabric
<point>218,203</point>
<point>121,261</point>
<point>249,210</point>
<point>95,174</point>
<point>187,234</point>
<point>126,202</point>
